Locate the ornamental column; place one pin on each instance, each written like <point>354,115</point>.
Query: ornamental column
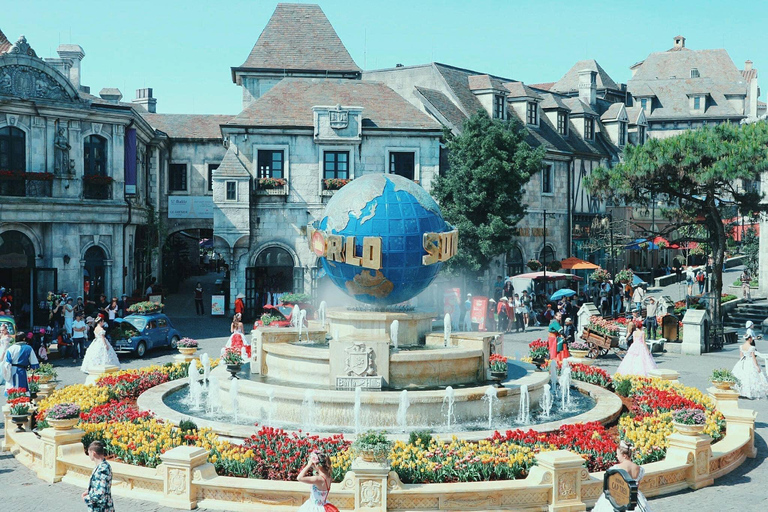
<point>53,440</point>
<point>694,451</point>
<point>566,470</point>
<point>369,482</point>
<point>176,471</point>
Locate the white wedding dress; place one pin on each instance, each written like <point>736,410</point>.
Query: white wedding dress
<point>752,383</point>
<point>603,505</point>
<point>100,353</point>
<point>316,502</point>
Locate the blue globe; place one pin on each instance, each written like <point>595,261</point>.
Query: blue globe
<point>398,212</point>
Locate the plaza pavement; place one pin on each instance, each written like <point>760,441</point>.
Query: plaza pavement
<point>742,490</point>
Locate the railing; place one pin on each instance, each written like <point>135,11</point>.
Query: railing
<point>97,189</point>
<point>26,184</point>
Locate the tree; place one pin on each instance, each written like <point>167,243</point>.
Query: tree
<point>751,250</point>
<point>696,173</point>
<point>610,236</point>
<point>481,194</point>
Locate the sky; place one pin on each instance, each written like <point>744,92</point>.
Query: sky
<point>184,49</point>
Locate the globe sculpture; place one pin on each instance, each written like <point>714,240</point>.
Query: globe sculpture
<point>382,239</point>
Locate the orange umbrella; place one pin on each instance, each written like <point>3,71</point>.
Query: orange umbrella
<point>577,264</point>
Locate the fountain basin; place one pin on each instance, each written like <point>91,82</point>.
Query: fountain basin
<point>413,326</point>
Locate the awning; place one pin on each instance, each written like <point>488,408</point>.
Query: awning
<point>549,276</point>
<point>578,264</point>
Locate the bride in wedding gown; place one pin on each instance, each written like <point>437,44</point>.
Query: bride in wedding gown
<point>100,352</point>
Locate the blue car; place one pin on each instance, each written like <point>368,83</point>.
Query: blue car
<point>139,333</point>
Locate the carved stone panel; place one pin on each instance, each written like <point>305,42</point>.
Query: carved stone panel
<point>28,82</point>
<point>370,494</point>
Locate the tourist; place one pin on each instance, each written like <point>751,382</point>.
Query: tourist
<point>501,312</point>
<point>498,288</point>
<point>101,304</point>
<point>78,337</point>
<point>527,309</point>
<point>701,280</point>
<point>549,314</point>
<point>746,279</point>
<point>569,331</point>
<point>519,307</point>
<point>491,318</point>
<point>558,348</point>
<point>237,324</point>
<point>690,277</point>
<point>320,465</point>
<point>511,314</point>
<point>18,358</point>
<point>240,303</point>
<point>5,342</point>
<point>150,287</point>
<point>616,293</point>
<point>69,315</point>
<point>624,456</point>
<point>112,309</point>
<point>98,497</point>
<point>750,332</point>
<point>650,317</point>
<point>56,316</point>
<point>509,290</point>
<point>199,310</point>
<point>122,306</point>
<point>100,353</point>
<point>468,313</point>
<point>677,269</point>
<point>752,381</point>
<point>79,307</point>
<point>638,360</point>
<point>638,297</point>
<point>605,297</point>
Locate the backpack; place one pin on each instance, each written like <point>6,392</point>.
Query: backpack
<point>700,276</point>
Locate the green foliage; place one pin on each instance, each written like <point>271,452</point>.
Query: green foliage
<point>294,298</point>
<point>623,387</point>
<point>187,426</point>
<point>751,250</point>
<point>490,163</point>
<point>723,375</point>
<point>267,319</point>
<point>373,442</point>
<point>422,436</point>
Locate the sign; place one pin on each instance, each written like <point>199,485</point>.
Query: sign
<point>156,299</point>
<point>479,312</point>
<point>217,305</point>
<point>130,162</point>
<point>190,207</point>
<point>620,489</point>
<point>537,232</point>
<point>365,382</point>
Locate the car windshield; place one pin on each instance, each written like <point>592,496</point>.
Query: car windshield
<point>138,322</point>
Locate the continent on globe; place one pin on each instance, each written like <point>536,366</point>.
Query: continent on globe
<point>382,239</point>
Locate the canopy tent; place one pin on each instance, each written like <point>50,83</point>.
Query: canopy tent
<point>578,264</point>
<point>637,280</point>
<point>548,276</point>
<point>685,246</point>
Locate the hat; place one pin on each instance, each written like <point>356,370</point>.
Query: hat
<point>240,296</point>
<point>79,297</point>
<point>504,299</point>
<point>750,324</point>
<point>30,335</point>
<point>469,295</point>
<point>42,331</point>
<point>568,321</point>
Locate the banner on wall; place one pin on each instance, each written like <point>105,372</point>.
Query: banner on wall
<point>190,207</point>
<point>479,312</point>
<point>130,162</point>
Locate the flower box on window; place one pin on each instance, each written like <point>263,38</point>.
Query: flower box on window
<point>98,180</point>
<point>331,185</point>
<point>23,175</point>
<point>271,187</point>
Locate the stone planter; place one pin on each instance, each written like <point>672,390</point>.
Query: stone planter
<point>19,420</point>
<point>688,430</point>
<point>65,424</point>
<point>370,456</point>
<point>722,384</point>
<point>187,351</point>
<point>581,354</point>
<point>498,375</point>
<point>45,379</point>
<point>234,369</point>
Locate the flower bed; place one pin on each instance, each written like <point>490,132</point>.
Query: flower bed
<point>115,411</point>
<point>586,373</point>
<point>601,325</point>
<point>538,349</point>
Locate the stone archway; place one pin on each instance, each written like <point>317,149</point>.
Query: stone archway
<point>274,271</point>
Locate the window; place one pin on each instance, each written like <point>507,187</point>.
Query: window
<point>695,73</point>
<point>533,113</point>
<point>589,128</point>
<point>270,163</point>
<point>13,150</point>
<point>498,107</point>
<point>95,156</point>
<point>177,177</point>
<point>622,133</point>
<point>403,163</point>
<point>640,135</point>
<point>643,103</point>
<point>161,323</point>
<point>546,180</point>
<point>562,123</point>
<point>211,168</point>
<point>696,102</point>
<point>231,190</point>
<point>336,165</point>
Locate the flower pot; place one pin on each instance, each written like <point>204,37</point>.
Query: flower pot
<point>581,354</point>
<point>62,424</point>
<point>234,369</point>
<point>45,379</point>
<point>19,420</point>
<point>498,375</point>
<point>688,430</point>
<point>722,384</point>
<point>187,351</point>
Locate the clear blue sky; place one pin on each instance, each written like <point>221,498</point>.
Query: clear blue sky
<point>184,49</point>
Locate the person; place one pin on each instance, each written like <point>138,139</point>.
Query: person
<point>5,342</point>
<point>527,307</point>
<point>78,337</point>
<point>491,318</point>
<point>240,303</point>
<point>750,332</point>
<point>569,331</point>
<point>498,288</point>
<point>501,312</point>
<point>690,277</point>
<point>605,294</point>
<point>509,290</point>
<point>100,352</point>
<point>150,287</point>
<point>199,299</point>
<point>638,360</point>
<point>320,480</point>
<point>624,456</point>
<point>79,307</point>
<point>650,317</point>
<point>519,307</point>
<point>112,310</point>
<point>98,497</point>
<point>18,358</point>
<point>558,348</point>
<point>752,381</point>
<point>237,324</point>
<point>746,279</point>
<point>638,297</point>
<point>677,269</point>
<point>57,315</point>
<point>701,280</point>
<point>69,315</point>
<point>468,313</point>
<point>549,314</point>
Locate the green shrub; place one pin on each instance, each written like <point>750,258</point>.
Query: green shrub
<point>424,436</point>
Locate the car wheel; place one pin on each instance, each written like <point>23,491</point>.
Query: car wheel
<point>174,342</point>
<point>141,349</point>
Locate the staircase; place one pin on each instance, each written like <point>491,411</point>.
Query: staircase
<point>757,312</point>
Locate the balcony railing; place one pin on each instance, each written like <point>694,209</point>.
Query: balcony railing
<point>97,187</point>
<point>26,184</point>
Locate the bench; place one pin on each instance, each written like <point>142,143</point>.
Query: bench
<point>653,344</point>
<point>731,335</point>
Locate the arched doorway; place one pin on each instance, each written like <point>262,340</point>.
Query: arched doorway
<point>17,269</point>
<point>273,274</point>
<point>515,263</point>
<point>185,254</point>
<point>94,276</point>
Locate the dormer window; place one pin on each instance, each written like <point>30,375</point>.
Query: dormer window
<point>498,107</point>
<point>533,113</point>
<point>697,103</point>
<point>589,128</point>
<point>695,73</point>
<point>622,133</point>
<point>643,103</point>
<point>562,123</point>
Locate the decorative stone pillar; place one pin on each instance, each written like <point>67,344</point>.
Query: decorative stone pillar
<point>176,470</point>
<point>742,421</point>
<point>585,311</point>
<point>46,390</point>
<point>97,372</point>
<point>670,375</point>
<point>696,451</point>
<point>694,332</point>
<point>370,485</point>
<point>567,471</point>
<point>52,470</point>
<point>9,427</point>
<point>725,399</point>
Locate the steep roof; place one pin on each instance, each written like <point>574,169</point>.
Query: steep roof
<point>712,64</point>
<point>457,80</point>
<point>578,107</point>
<point>612,113</point>
<point>570,80</point>
<point>481,82</point>
<point>749,74</point>
<point>520,90</point>
<point>444,106</point>
<point>5,44</point>
<point>290,102</point>
<point>553,101</point>
<point>233,165</point>
<point>543,86</point>
<point>187,126</point>
<point>299,37</point>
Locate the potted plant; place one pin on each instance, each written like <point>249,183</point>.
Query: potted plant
<point>372,446</point>
<point>625,276</point>
<point>554,265</point>
<point>534,265</point>
<point>538,352</point>
<point>600,275</point>
<point>579,348</point>
<point>271,183</point>
<point>145,307</point>
<point>20,404</point>
<point>45,373</point>
<point>187,346</point>
<point>267,319</point>
<point>233,360</point>
<point>689,421</point>
<point>63,416</point>
<point>498,365</point>
<point>33,381</point>
<point>334,183</point>
<point>723,379</point>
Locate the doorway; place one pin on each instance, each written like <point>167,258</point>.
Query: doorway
<point>274,274</point>
<point>17,262</point>
<point>93,273</point>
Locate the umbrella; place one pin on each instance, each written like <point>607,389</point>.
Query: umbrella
<point>578,264</point>
<point>633,246</point>
<point>550,276</point>
<point>562,292</point>
<point>637,281</point>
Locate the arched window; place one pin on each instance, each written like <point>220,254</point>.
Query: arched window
<point>13,149</point>
<point>95,156</point>
<point>547,255</point>
<point>274,257</point>
<point>515,264</point>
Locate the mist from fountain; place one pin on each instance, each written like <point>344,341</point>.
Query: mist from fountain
<point>212,403</point>
<point>272,405</point>
<point>321,314</point>
<point>206,362</point>
<point>446,329</point>
<point>449,402</point>
<point>565,385</point>
<point>295,316</point>
<point>490,397</point>
<point>234,388</point>
<point>358,405</point>
<point>393,332</point>
<point>524,416</point>
<point>308,410</point>
<point>402,411</point>
<point>553,376</point>
<point>545,402</point>
<point>195,388</point>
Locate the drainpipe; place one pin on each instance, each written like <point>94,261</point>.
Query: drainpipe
<point>569,220</point>
<point>127,222</point>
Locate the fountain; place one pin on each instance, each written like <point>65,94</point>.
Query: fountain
<point>195,388</point>
<point>393,332</point>
<point>206,362</point>
<point>524,416</point>
<point>402,411</point>
<point>545,402</point>
<point>565,385</point>
<point>212,404</point>
<point>446,329</point>
<point>271,407</point>
<point>449,402</point>
<point>233,396</point>
<point>491,397</point>
<point>295,315</point>
<point>308,410</point>
<point>321,313</point>
<point>553,376</point>
<point>358,397</point>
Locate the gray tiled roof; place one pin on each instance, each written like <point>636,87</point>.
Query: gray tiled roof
<point>612,113</point>
<point>553,101</point>
<point>749,74</point>
<point>570,80</point>
<point>457,80</point>
<point>578,107</point>
<point>290,102</point>
<point>633,113</point>
<point>233,165</point>
<point>444,106</point>
<point>480,82</point>
<point>545,86</point>
<point>299,37</point>
<point>520,90</point>
<point>187,126</point>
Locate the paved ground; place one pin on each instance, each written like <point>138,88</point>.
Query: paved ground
<point>742,490</point>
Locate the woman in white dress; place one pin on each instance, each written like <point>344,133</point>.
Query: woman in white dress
<point>100,352</point>
<point>638,360</point>
<point>624,454</point>
<point>5,342</point>
<point>320,480</point>
<point>752,381</point>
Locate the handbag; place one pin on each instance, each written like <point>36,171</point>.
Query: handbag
<point>331,508</point>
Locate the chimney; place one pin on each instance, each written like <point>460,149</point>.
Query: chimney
<point>145,100</point>
<point>588,86</point>
<point>748,65</point>
<point>112,94</point>
<point>679,42</point>
<point>75,53</point>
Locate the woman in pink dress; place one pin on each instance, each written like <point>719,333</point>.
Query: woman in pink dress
<point>638,360</point>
